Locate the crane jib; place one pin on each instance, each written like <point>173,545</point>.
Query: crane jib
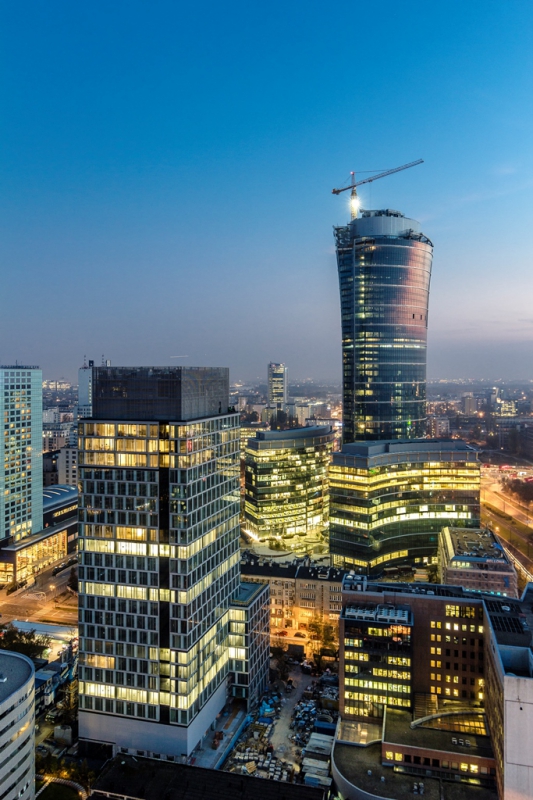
<point>381,175</point>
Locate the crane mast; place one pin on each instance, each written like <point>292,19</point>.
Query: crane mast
<point>354,199</point>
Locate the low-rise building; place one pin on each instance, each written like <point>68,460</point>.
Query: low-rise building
<point>299,594</point>
<point>473,558</point>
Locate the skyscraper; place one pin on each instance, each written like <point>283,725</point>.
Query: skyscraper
<point>159,556</point>
<point>278,385</point>
<point>21,465</point>
<point>384,264</point>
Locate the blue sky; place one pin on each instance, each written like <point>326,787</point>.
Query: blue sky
<point>167,176</point>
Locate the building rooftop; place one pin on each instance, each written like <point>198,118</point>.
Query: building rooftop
<point>16,669</point>
<point>398,450</point>
<point>475,546</point>
<point>59,496</point>
<point>246,593</point>
<point>294,437</point>
<point>268,568</point>
<point>354,763</point>
<point>150,779</point>
<point>384,613</point>
<point>153,394</point>
<point>398,730</point>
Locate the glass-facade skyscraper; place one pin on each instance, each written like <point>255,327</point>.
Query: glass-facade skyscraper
<point>21,445</point>
<point>384,264</point>
<point>159,556</point>
<point>278,385</point>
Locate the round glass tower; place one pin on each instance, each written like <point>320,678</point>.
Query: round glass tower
<point>384,266</point>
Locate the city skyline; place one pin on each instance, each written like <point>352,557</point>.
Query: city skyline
<point>159,150</point>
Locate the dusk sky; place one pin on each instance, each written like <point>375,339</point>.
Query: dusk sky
<point>168,166</point>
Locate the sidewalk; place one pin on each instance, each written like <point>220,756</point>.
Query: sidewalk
<point>229,725</point>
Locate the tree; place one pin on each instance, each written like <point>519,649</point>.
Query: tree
<point>72,582</point>
<point>278,649</point>
<point>323,634</point>
<point>28,643</point>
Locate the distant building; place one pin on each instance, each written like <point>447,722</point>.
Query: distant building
<point>438,427</point>
<point>474,559</point>
<point>286,485</point>
<point>50,473</point>
<point>278,385</point>
<point>384,263</point>
<point>67,466</point>
<point>389,500</point>
<point>469,404</point>
<point>17,729</point>
<point>21,466</point>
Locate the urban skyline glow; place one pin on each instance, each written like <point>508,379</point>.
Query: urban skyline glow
<point>197,153</point>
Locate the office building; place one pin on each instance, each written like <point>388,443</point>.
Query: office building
<point>286,486</point>
<point>278,385</point>
<point>474,559</point>
<point>17,728</point>
<point>159,556</point>
<point>384,264</point>
<point>389,501</point>
<point>249,642</point>
<point>21,465</point>
<point>409,655</point>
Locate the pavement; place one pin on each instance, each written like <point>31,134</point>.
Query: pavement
<point>283,748</point>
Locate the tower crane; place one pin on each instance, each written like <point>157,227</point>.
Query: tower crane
<point>354,200</point>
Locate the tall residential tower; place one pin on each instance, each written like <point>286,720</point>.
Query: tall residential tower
<point>384,264</point>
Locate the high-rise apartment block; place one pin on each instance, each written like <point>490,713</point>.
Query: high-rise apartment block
<point>159,556</point>
<point>278,385</point>
<point>286,485</point>
<point>384,264</point>
<point>389,500</point>
<point>21,466</point>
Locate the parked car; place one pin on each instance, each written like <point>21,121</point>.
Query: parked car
<point>300,635</point>
<point>283,633</point>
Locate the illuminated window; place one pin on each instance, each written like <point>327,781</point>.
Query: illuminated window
<point>398,757</point>
<point>389,755</point>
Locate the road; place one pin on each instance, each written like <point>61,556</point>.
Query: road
<point>57,606</point>
<point>517,539</point>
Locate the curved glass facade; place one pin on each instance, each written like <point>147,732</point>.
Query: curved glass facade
<point>389,502</point>
<point>384,267</point>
